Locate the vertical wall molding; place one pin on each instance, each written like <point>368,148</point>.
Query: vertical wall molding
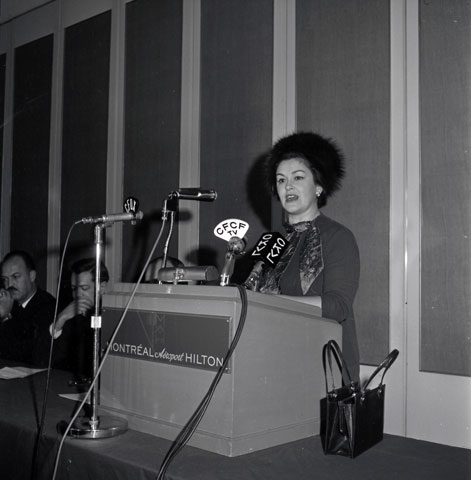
<point>55,156</point>
<point>412,218</point>
<point>188,238</point>
<point>284,68</point>
<point>396,420</point>
<point>115,162</point>
<point>284,80</point>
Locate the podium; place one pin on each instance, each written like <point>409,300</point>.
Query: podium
<point>170,345</point>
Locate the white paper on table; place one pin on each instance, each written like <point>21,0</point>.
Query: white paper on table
<point>7,373</point>
<point>77,397</point>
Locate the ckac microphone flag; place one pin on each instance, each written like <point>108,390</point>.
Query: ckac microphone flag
<point>267,252</point>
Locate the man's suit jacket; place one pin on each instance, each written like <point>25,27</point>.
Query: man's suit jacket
<point>25,337</point>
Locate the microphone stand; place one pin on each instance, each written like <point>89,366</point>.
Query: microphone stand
<point>97,426</point>
<point>228,269</point>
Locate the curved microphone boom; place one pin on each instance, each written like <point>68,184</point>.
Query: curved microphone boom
<point>267,252</point>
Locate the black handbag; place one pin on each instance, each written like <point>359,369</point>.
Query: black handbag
<point>352,418</point>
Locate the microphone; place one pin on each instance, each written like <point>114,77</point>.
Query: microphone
<point>131,213</point>
<point>194,194</point>
<point>267,252</point>
<point>233,231</point>
<point>114,217</point>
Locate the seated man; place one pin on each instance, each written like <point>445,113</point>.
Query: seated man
<point>25,312</point>
<point>73,348</point>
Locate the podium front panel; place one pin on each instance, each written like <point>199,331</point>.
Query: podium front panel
<point>157,374</point>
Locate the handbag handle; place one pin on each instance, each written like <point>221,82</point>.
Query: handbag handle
<point>385,364</point>
<point>331,348</point>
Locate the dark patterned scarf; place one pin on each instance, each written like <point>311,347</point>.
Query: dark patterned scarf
<point>311,262</point>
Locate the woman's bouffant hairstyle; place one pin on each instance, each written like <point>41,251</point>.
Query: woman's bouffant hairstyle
<point>321,154</point>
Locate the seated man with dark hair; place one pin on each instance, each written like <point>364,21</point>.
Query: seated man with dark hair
<point>25,312</point>
<point>73,349</point>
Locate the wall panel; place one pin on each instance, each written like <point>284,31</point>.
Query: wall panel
<point>30,157</point>
<point>445,112</point>
<point>342,55</point>
<point>85,128</point>
<point>3,60</point>
<point>152,122</point>
<point>236,116</point>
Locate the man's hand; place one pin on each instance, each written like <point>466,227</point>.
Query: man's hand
<point>79,306</point>
<point>83,305</point>
<point>6,303</point>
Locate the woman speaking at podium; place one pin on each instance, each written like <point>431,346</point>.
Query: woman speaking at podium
<point>321,264</point>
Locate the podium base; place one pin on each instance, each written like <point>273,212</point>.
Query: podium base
<point>107,426</point>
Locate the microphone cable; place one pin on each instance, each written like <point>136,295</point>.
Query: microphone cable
<point>190,427</point>
<point>49,364</point>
